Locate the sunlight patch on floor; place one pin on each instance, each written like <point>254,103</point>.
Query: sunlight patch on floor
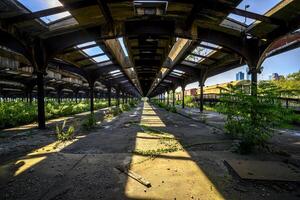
<point>20,165</point>
<point>149,117</point>
<point>160,159</point>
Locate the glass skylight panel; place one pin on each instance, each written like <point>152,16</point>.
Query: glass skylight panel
<point>176,74</point>
<point>116,74</point>
<point>93,51</point>
<point>193,58</point>
<point>121,41</point>
<point>178,71</point>
<point>202,51</point>
<point>210,44</point>
<point>114,71</point>
<point>255,6</point>
<point>38,5</point>
<point>86,44</point>
<point>101,58</point>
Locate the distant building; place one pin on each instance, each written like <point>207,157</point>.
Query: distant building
<point>221,88</point>
<point>189,92</point>
<point>240,76</point>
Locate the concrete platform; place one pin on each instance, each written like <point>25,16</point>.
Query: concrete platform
<point>265,170</point>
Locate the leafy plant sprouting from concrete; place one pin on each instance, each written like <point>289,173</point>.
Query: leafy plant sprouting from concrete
<point>90,122</point>
<point>64,134</point>
<point>251,119</point>
<point>125,107</point>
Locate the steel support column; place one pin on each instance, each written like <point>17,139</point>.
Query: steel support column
<point>183,90</point>
<point>174,99</point>
<point>201,97</point>
<point>92,98</point>
<point>41,101</point>
<point>118,96</point>
<point>168,102</point>
<point>109,96</point>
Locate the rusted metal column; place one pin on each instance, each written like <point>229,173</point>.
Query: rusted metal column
<point>253,73</point>
<point>123,98</point>
<point>201,96</point>
<point>92,98</point>
<point>183,90</point>
<point>168,101</point>
<point>109,95</point>
<point>174,99</point>
<point>40,99</point>
<point>118,95</point>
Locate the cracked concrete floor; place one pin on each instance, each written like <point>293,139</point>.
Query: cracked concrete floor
<point>181,158</point>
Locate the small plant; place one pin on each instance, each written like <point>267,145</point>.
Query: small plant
<point>90,122</point>
<point>64,135</point>
<point>124,107</point>
<point>116,111</point>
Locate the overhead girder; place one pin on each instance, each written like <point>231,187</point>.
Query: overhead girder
<point>250,49</point>
<point>13,43</point>
<point>59,43</point>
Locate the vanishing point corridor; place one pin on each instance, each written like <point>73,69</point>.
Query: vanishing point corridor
<point>146,153</point>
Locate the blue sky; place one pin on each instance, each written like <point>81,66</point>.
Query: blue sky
<point>256,6</point>
<point>283,64</point>
<point>37,5</point>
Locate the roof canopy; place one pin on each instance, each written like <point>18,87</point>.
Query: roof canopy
<point>146,47</point>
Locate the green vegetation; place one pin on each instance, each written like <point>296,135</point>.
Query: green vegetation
<point>64,135</point>
<point>165,106</point>
<point>289,86</point>
<point>90,122</point>
<point>252,119</point>
<point>167,143</point>
<point>17,113</point>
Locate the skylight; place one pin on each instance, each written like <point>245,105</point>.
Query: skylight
<point>178,71</point>
<point>114,71</point>
<point>121,41</point>
<point>193,58</point>
<point>93,51</point>
<point>101,58</point>
<point>259,7</point>
<point>86,44</point>
<point>38,5</point>
<point>201,51</point>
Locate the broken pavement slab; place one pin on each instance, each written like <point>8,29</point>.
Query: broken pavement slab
<point>265,170</point>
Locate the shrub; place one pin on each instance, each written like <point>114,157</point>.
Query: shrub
<point>90,122</point>
<point>64,135</point>
<point>251,119</point>
<point>124,107</point>
<point>18,112</point>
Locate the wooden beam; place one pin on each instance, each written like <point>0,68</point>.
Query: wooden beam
<point>105,11</point>
<point>89,57</point>
<point>205,57</point>
<point>256,16</point>
<point>77,49</point>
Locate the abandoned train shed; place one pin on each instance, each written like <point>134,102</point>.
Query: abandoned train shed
<point>161,38</point>
<point>120,49</point>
